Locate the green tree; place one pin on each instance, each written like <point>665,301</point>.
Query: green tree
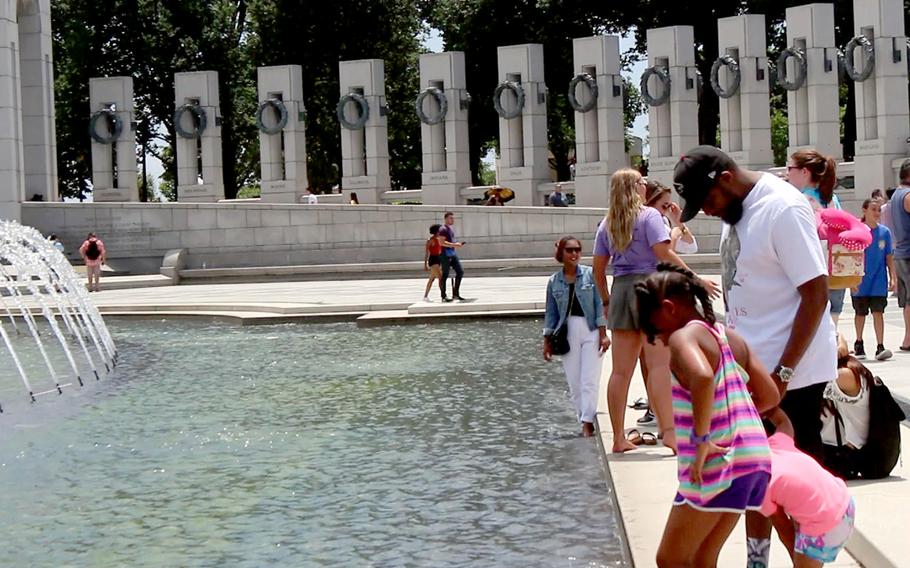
<point>85,46</point>
<point>150,40</point>
<point>478,27</point>
<point>316,36</point>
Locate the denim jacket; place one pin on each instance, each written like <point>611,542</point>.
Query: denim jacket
<point>585,294</point>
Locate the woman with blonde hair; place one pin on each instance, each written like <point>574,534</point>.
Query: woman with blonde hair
<point>633,238</point>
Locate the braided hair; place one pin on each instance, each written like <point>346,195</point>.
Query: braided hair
<point>670,281</point>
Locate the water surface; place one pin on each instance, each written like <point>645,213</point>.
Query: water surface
<point>306,445</point>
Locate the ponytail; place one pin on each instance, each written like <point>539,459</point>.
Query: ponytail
<point>827,181</point>
<point>823,172</point>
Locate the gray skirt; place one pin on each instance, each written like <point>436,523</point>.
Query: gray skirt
<point>623,312</point>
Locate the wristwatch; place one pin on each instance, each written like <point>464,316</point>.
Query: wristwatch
<point>785,373</point>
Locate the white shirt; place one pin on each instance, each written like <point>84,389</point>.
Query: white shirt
<point>765,257</point>
<point>311,199</point>
<point>854,411</point>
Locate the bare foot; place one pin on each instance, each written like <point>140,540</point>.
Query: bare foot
<point>622,446</point>
<point>587,429</point>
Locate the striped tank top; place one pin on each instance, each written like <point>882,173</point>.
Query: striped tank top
<point>735,424</point>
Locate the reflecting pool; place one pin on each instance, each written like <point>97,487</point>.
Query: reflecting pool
<point>308,445</point>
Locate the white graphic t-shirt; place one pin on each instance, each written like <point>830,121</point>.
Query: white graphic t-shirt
<point>771,251</point>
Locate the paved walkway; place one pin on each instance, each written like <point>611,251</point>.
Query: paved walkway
<point>644,480</point>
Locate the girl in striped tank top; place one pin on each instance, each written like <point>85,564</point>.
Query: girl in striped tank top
<point>719,388</point>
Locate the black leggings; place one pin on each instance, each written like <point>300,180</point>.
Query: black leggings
<point>451,263</point>
<point>803,407</point>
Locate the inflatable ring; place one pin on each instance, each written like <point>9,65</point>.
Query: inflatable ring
<point>591,82</point>
<point>361,103</point>
<point>847,238</point>
<point>839,227</point>
<point>114,126</point>
<point>736,76</point>
<point>200,120</point>
<point>801,69</point>
<point>519,92</point>
<point>663,77</point>
<point>868,58</point>
<point>280,109</point>
<point>440,100</point>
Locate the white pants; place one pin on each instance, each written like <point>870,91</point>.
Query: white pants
<point>582,365</point>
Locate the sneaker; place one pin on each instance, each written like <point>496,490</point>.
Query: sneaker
<point>882,354</point>
<point>427,299</point>
<point>858,350</point>
<point>446,299</point>
<point>648,418</point>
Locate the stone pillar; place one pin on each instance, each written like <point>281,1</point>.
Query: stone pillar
<point>882,106</point>
<point>28,153</point>
<point>199,173</point>
<point>114,170</point>
<point>282,148</point>
<point>11,169</point>
<point>745,116</point>
<point>364,148</point>
<point>599,132</point>
<point>446,161</point>
<point>523,163</point>
<point>813,110</point>
<point>673,125</point>
<point>810,30</point>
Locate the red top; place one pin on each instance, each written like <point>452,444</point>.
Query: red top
<point>434,246</point>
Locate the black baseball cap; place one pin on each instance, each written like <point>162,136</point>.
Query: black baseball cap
<point>694,176</point>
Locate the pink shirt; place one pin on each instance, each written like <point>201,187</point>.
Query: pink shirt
<point>88,261</point>
<point>811,496</point>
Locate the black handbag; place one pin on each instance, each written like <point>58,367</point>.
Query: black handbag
<point>559,341</point>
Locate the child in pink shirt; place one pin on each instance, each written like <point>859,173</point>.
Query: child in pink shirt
<point>810,508</point>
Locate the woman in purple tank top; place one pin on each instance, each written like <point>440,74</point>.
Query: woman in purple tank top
<point>632,238</point>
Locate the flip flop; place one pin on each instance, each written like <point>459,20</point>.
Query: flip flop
<point>635,437</point>
<point>902,348</point>
<point>649,439</point>
<point>642,403</point>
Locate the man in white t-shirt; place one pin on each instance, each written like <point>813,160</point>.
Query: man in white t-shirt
<point>775,281</point>
<point>775,277</point>
<point>310,198</point>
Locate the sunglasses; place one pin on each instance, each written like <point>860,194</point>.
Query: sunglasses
<point>572,249</point>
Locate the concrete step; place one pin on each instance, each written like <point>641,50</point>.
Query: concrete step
<point>401,317</point>
<point>502,267</point>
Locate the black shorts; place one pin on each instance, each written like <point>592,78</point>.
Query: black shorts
<point>862,305</point>
<point>433,260</point>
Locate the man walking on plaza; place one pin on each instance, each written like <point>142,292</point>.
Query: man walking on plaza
<point>449,259</point>
<point>775,280</point>
<point>900,221</point>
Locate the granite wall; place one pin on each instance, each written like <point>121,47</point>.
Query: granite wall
<point>137,235</point>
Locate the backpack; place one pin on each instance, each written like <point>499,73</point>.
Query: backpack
<point>877,458</point>
<point>92,251</point>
